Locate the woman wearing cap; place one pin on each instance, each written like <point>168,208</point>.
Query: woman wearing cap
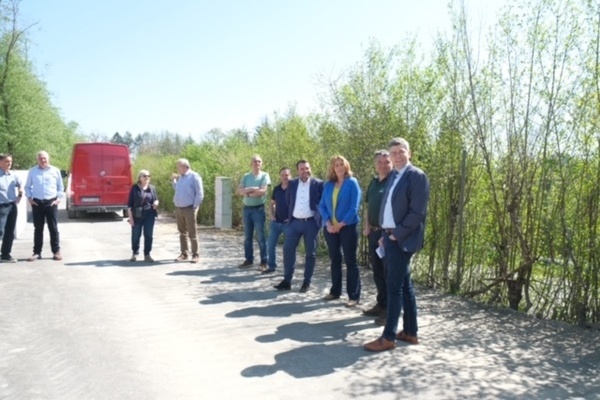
<point>142,204</point>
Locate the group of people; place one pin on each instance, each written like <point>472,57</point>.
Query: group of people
<point>143,211</point>
<point>44,190</point>
<point>394,222</point>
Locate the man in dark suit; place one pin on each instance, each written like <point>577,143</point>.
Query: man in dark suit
<point>303,196</point>
<point>402,218</point>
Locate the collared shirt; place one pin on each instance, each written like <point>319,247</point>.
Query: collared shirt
<point>374,197</point>
<point>302,206</point>
<point>9,183</point>
<point>388,215</point>
<point>44,183</point>
<point>250,180</point>
<point>281,206</point>
<point>188,190</point>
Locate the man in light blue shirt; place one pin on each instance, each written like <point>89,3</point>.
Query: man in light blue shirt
<point>44,189</point>
<point>10,184</point>
<point>189,194</point>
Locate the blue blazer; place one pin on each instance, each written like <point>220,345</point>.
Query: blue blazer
<point>347,202</point>
<point>409,206</point>
<point>316,189</point>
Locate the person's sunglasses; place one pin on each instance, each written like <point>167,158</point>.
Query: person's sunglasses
<point>145,176</point>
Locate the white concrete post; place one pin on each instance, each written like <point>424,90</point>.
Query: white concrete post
<point>223,202</point>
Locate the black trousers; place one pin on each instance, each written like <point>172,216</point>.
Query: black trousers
<point>43,213</point>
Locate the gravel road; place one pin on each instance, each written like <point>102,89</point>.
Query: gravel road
<point>96,326</point>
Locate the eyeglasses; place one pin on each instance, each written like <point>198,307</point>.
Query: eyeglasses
<point>145,176</point>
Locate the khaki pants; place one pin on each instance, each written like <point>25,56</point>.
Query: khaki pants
<point>188,228</point>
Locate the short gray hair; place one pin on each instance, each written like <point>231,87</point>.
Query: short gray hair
<point>42,153</point>
<point>184,162</point>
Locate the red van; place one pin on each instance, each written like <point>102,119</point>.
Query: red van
<point>99,178</point>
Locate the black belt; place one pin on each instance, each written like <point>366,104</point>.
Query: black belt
<point>42,201</point>
<point>304,219</point>
<point>2,205</point>
<point>389,231</point>
<point>375,228</point>
<point>259,206</point>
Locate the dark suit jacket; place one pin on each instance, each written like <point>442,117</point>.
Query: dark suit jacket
<point>316,190</point>
<point>409,206</point>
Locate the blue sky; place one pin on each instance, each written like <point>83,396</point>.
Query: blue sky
<point>189,66</point>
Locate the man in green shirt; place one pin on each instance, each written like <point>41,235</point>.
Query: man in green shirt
<point>371,229</point>
<point>253,189</point>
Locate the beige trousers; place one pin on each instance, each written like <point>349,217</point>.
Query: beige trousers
<point>188,228</point>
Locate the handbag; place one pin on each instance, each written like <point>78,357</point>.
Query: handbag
<point>138,212</point>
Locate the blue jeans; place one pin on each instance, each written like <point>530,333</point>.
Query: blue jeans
<point>276,229</point>
<point>345,240</point>
<point>379,269</point>
<point>295,230</point>
<point>146,225</point>
<point>254,220</point>
<point>8,221</point>
<point>400,291</point>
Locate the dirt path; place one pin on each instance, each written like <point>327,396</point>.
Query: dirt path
<point>95,326</point>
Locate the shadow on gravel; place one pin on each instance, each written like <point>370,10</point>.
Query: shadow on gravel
<point>309,361</point>
<point>491,353</point>
<point>280,309</point>
<point>118,263</point>
<point>240,297</point>
<point>319,332</point>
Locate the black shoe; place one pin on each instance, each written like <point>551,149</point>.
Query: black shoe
<point>304,287</point>
<point>8,259</point>
<point>283,285</point>
<point>380,321</point>
<point>267,271</point>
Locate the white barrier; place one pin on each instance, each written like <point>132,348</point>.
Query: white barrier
<point>223,201</point>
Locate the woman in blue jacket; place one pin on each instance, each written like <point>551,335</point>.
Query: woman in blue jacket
<point>339,213</point>
<point>142,204</point>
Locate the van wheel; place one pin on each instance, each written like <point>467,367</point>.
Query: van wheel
<point>71,214</point>
<point>125,213</point>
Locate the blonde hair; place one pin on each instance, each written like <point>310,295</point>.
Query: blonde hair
<point>331,175</point>
<point>142,172</point>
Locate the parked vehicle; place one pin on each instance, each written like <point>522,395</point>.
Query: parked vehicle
<point>99,179</point>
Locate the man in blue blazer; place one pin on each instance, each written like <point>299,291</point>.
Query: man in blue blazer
<point>402,217</point>
<point>303,196</point>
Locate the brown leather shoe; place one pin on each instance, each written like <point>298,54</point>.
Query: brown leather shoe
<point>182,257</point>
<point>381,344</point>
<point>375,311</point>
<point>34,257</point>
<point>407,338</point>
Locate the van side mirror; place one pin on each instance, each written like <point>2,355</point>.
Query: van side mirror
<point>64,173</point>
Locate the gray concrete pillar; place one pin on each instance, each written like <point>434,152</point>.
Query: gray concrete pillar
<point>223,202</point>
